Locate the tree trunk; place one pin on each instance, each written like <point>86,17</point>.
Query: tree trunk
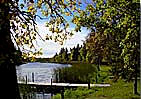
<point>9,81</point>
<point>7,66</point>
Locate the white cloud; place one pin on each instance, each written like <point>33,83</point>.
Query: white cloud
<point>50,48</point>
<point>77,38</point>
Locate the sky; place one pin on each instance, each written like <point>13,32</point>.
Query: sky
<point>50,48</point>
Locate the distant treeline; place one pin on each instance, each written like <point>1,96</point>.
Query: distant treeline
<point>76,54</point>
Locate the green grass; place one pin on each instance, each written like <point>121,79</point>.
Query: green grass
<point>105,68</point>
<point>79,93</point>
<point>117,90</point>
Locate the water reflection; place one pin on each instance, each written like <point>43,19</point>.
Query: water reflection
<point>37,96</point>
<point>43,72</point>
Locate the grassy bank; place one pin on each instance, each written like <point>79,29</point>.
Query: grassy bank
<point>77,73</point>
<point>117,90</point>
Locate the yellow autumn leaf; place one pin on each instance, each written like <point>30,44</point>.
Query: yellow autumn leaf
<point>56,30</point>
<point>67,25</point>
<point>30,8</point>
<point>73,8</point>
<point>76,21</point>
<point>79,10</point>
<point>67,14</point>
<point>27,38</point>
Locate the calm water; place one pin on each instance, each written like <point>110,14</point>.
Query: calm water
<point>43,72</point>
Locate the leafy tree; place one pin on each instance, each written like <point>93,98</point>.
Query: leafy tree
<point>77,52</point>
<point>72,54</point>
<point>115,25</point>
<point>54,58</point>
<point>88,57</point>
<point>69,56</point>
<point>98,48</point>
<point>117,20</point>
<point>66,55</point>
<point>83,52</point>
<point>61,51</point>
<point>18,21</point>
<point>58,58</point>
<point>62,56</point>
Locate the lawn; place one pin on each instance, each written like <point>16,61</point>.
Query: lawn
<point>117,90</point>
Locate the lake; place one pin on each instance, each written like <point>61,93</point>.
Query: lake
<point>43,72</point>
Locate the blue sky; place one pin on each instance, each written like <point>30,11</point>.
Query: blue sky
<point>50,48</point>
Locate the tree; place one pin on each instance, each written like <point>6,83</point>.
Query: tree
<point>77,52</point>
<point>83,52</point>
<point>7,54</point>
<point>54,58</point>
<point>98,47</point>
<point>72,54</point>
<point>63,55</point>
<point>18,25</point>
<point>115,25</point>
<point>88,57</point>
<point>66,55</point>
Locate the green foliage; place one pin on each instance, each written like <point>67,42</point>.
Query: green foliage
<point>77,73</point>
<point>114,30</point>
<point>21,21</point>
<point>83,52</point>
<point>78,54</point>
<point>120,89</point>
<point>63,56</point>
<point>89,57</point>
<point>114,34</point>
<point>79,93</point>
<point>75,54</point>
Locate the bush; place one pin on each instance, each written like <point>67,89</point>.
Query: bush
<point>77,73</point>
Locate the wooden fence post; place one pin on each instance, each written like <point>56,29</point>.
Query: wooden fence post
<point>26,79</point>
<point>62,93</point>
<point>32,77</point>
<point>51,88</point>
<point>51,81</point>
<point>89,84</point>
